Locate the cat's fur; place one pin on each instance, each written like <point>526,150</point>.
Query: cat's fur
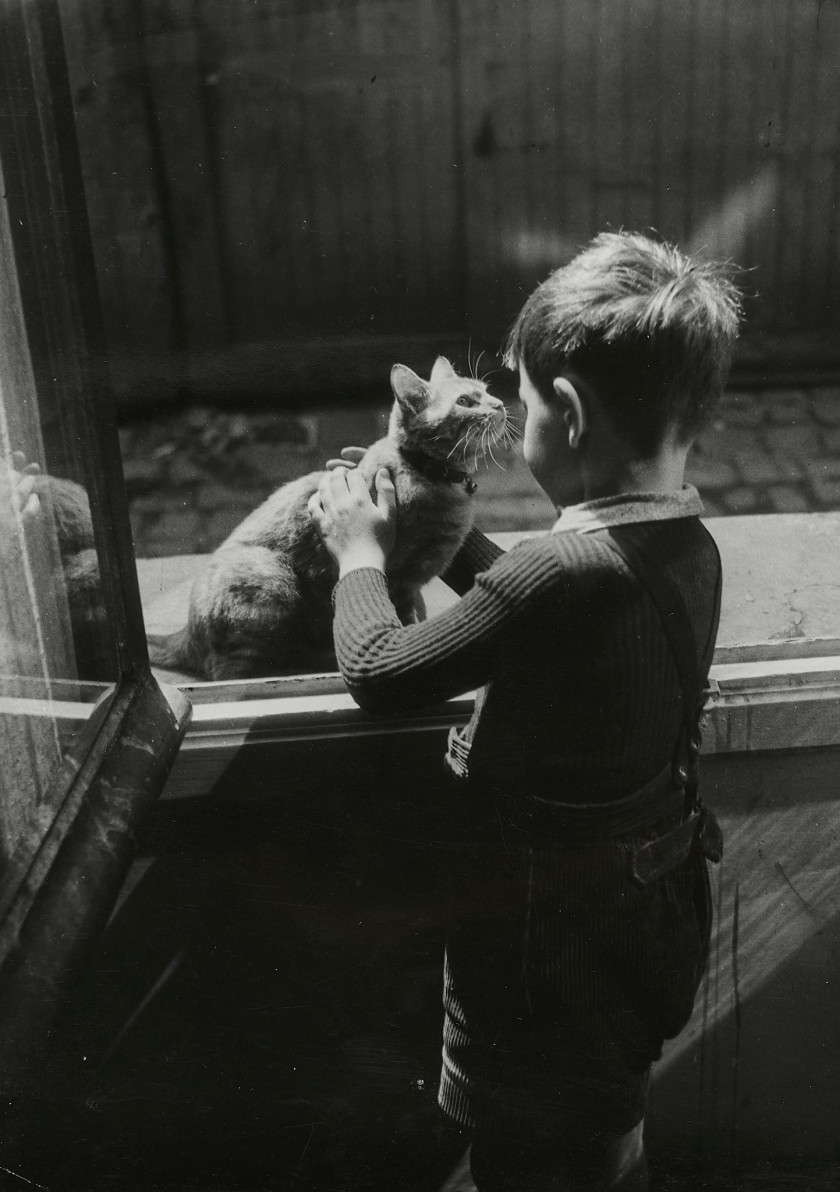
<point>262,605</point>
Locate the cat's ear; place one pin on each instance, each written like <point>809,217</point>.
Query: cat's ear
<point>442,371</point>
<point>411,391</point>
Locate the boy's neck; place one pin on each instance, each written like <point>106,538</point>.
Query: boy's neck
<point>616,473</point>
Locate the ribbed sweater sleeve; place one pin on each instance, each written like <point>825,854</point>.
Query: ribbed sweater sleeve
<point>477,554</point>
<point>392,668</point>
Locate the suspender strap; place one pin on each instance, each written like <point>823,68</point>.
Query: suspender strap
<point>670,605</point>
<point>679,631</point>
<point>667,797</point>
<point>656,857</point>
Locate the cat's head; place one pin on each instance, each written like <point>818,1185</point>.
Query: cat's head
<point>449,417</point>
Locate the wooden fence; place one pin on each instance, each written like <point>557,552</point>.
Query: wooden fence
<point>267,171</point>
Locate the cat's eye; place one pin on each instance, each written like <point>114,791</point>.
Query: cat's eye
<point>468,399</point>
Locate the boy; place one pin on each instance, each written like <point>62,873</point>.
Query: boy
<point>583,922</point>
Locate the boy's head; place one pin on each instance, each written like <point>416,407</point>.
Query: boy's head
<point>651,330</point>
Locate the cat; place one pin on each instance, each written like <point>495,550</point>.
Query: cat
<point>263,604</point>
<point>55,508</point>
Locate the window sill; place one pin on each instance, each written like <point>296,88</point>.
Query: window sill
<point>776,676</point>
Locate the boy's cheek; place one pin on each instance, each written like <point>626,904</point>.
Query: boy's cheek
<point>543,444</point>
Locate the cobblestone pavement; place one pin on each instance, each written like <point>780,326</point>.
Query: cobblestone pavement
<point>193,476</point>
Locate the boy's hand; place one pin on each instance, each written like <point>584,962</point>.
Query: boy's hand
<point>356,532</point>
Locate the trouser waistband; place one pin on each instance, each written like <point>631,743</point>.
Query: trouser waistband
<point>659,803</point>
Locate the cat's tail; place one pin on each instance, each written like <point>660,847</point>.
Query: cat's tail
<point>171,650</point>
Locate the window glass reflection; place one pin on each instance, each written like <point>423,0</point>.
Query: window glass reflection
<point>57,655</point>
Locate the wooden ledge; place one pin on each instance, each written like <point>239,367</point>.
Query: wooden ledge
<point>776,674</point>
<point>781,594</point>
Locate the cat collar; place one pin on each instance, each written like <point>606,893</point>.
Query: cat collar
<point>438,469</point>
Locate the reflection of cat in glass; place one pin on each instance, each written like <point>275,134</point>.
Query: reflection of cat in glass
<point>59,508</point>
<point>263,603</point>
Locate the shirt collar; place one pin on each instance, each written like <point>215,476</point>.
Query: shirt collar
<point>628,508</point>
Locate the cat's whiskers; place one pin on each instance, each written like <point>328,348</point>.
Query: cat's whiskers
<point>482,440</point>
<point>478,440</point>
<point>512,433</point>
<point>492,456</point>
<point>472,438</point>
<point>463,439</point>
<point>480,444</point>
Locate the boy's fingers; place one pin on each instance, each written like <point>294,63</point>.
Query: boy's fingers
<point>20,465</point>
<point>340,482</point>
<point>25,487</point>
<point>331,487</point>
<point>355,481</point>
<point>351,457</point>
<point>320,499</point>
<point>316,509</point>
<point>386,494</point>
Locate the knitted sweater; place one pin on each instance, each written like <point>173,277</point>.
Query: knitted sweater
<point>582,697</point>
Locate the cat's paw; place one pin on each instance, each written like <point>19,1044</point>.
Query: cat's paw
<point>21,478</point>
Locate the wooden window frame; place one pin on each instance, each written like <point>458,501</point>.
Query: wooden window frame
<point>62,882</point>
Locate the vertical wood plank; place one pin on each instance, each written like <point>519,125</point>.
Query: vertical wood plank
<point>811,143</point>
<point>178,115</point>
<point>621,128</point>
<point>828,249</point>
<point>279,168</point>
<point>335,143</point>
<point>767,141</point>
<point>110,82</point>
<point>674,46</point>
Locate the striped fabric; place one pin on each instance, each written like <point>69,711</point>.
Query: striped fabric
<point>582,696</point>
<point>562,976</point>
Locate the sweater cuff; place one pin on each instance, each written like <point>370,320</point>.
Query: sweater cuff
<point>369,579</point>
<point>477,554</point>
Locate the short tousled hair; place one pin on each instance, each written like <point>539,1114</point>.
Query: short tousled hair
<point>651,329</point>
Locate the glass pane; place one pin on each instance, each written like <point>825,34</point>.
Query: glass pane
<point>285,199</point>
<point>57,648</point>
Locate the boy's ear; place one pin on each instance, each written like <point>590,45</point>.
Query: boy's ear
<point>574,409</point>
<point>442,370</point>
<point>411,391</point>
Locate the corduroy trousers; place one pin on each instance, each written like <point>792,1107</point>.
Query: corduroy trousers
<point>563,977</point>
